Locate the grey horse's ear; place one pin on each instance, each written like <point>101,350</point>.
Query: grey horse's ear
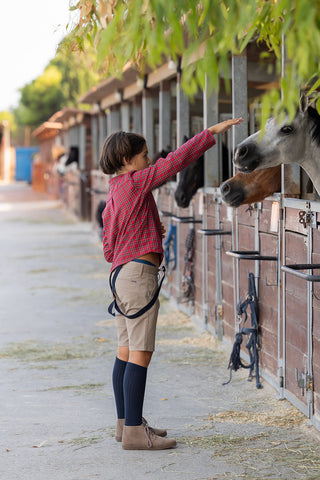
<point>303,102</point>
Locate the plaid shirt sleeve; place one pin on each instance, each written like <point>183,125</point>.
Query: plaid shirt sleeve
<point>153,176</point>
<point>131,221</point>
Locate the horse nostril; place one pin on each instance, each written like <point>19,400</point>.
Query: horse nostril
<point>243,151</point>
<point>183,200</point>
<point>225,188</point>
<point>179,196</point>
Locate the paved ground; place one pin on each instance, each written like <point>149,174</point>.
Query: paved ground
<point>57,349</point>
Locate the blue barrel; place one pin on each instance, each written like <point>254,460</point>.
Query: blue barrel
<point>24,159</point>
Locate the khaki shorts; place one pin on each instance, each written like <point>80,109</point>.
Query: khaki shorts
<point>134,289</point>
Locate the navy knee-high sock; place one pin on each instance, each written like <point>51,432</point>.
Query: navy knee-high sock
<point>134,384</point>
<point>117,381</point>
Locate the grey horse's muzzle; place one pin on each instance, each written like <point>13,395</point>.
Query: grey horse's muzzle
<point>247,157</point>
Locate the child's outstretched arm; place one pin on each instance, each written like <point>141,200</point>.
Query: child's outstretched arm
<point>149,178</point>
<point>224,126</point>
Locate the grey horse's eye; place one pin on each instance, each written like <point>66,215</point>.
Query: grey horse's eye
<point>287,129</point>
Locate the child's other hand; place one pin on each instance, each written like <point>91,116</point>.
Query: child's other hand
<point>163,231</point>
<point>224,126</point>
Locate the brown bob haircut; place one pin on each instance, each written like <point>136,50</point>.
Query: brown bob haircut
<point>117,147</point>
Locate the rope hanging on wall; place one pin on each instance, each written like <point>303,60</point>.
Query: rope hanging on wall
<point>188,276</point>
<point>170,249</point>
<point>252,344</point>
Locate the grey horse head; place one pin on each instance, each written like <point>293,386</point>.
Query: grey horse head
<point>297,141</point>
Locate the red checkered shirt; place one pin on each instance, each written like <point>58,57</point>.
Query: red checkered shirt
<point>131,221</point>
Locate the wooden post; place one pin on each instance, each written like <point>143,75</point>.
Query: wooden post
<point>94,141</point>
<point>82,147</point>
<point>164,115</point>
<point>102,131</point>
<point>290,174</point>
<point>148,120</point>
<point>113,120</point>
<point>137,116</point>
<point>125,116</point>
<point>27,135</point>
<point>239,132</point>
<point>239,97</point>
<point>183,113</point>
<point>212,169</point>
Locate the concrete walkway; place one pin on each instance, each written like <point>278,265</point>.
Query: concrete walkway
<point>57,348</point>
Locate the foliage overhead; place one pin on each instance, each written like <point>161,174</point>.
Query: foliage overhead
<point>79,73</point>
<point>147,31</point>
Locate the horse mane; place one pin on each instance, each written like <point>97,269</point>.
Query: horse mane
<point>315,129</point>
<point>161,154</point>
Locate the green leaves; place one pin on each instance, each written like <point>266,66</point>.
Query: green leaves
<point>147,32</point>
<point>63,81</point>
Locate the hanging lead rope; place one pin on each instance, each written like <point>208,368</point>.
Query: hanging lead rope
<point>170,249</point>
<point>188,278</point>
<point>252,344</point>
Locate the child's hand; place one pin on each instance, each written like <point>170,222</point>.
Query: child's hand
<point>163,231</point>
<point>224,126</point>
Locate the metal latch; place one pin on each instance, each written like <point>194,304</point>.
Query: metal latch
<point>304,381</point>
<point>308,218</point>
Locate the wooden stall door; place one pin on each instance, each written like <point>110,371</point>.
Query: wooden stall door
<point>257,238</point>
<point>316,324</point>
<point>165,202</point>
<point>295,312</point>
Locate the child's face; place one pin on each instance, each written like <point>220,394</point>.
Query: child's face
<point>141,160</point>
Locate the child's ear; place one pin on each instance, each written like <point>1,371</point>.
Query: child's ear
<point>127,162</point>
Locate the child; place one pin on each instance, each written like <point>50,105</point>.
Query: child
<point>132,241</point>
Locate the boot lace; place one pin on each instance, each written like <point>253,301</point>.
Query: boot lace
<point>146,424</point>
<point>149,434</point>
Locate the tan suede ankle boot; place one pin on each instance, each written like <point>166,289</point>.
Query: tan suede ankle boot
<point>161,432</point>
<point>119,429</point>
<point>142,437</point>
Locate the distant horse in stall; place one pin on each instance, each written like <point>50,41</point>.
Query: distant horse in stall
<point>68,161</point>
<point>192,178</point>
<point>162,154</point>
<point>295,142</point>
<point>246,188</point>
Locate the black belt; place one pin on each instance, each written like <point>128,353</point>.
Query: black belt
<point>113,307</point>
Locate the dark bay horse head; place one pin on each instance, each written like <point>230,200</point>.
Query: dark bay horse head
<point>246,188</point>
<point>162,154</point>
<point>297,141</point>
<point>190,179</point>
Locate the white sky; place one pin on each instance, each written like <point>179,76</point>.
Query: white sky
<point>30,31</point>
